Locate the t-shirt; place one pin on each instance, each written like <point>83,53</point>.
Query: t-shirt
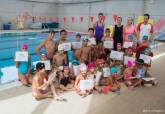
<point>145,30</point>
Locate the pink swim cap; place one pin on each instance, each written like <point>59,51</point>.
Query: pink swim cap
<point>91,65</point>
<point>130,63</point>
<point>82,67</point>
<point>24,46</point>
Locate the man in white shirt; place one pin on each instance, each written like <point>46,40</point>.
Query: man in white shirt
<point>145,29</point>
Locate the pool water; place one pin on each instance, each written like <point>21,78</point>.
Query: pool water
<point>11,42</point>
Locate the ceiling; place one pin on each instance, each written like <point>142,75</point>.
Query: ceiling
<point>65,1</point>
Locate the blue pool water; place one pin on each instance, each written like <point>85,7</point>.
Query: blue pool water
<point>11,42</point>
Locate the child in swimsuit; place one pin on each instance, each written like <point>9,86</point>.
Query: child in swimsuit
<point>66,81</point>
<point>24,68</point>
<point>130,80</point>
<point>83,76</point>
<point>143,72</point>
<point>41,88</point>
<point>120,68</point>
<point>114,85</point>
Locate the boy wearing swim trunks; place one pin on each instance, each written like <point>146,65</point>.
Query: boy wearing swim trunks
<point>41,87</point>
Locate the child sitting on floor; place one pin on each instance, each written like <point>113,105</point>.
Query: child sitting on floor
<point>120,68</point>
<point>83,76</point>
<point>41,87</point>
<point>144,74</point>
<point>130,80</point>
<point>114,85</point>
<point>92,73</point>
<point>66,81</point>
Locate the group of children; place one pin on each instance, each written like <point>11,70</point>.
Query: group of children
<point>87,64</point>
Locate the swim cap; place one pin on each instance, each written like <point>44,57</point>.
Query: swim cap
<point>113,70</point>
<point>40,66</point>
<point>74,62</point>
<point>91,65</point>
<point>83,67</point>
<point>24,46</point>
<point>145,37</point>
<point>130,63</point>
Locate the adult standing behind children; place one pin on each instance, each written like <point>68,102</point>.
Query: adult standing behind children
<point>145,29</point>
<point>99,28</point>
<point>49,46</point>
<point>118,33</point>
<point>129,30</point>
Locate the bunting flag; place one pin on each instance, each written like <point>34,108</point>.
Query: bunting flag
<point>81,18</point>
<point>91,18</point>
<point>57,19</point>
<point>104,18</point>
<point>45,18</point>
<point>159,24</point>
<point>51,19</point>
<point>64,19</point>
<point>40,19</point>
<point>114,18</point>
<point>72,19</point>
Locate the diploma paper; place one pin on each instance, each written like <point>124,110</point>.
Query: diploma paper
<point>106,72</point>
<point>127,44</point>
<point>116,55</point>
<point>77,45</point>
<point>146,58</point>
<point>64,46</point>
<point>86,84</point>
<point>21,56</point>
<point>108,44</point>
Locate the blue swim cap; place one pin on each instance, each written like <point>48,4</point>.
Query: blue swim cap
<point>74,62</point>
<point>113,70</point>
<point>145,37</point>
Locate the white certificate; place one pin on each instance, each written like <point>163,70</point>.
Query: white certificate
<point>21,56</point>
<point>116,55</point>
<point>76,70</point>
<point>77,45</point>
<point>106,72</point>
<point>64,46</point>
<point>126,59</point>
<point>108,44</point>
<point>127,44</point>
<point>86,84</point>
<point>149,79</point>
<point>92,41</point>
<point>146,58</point>
<point>47,64</point>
